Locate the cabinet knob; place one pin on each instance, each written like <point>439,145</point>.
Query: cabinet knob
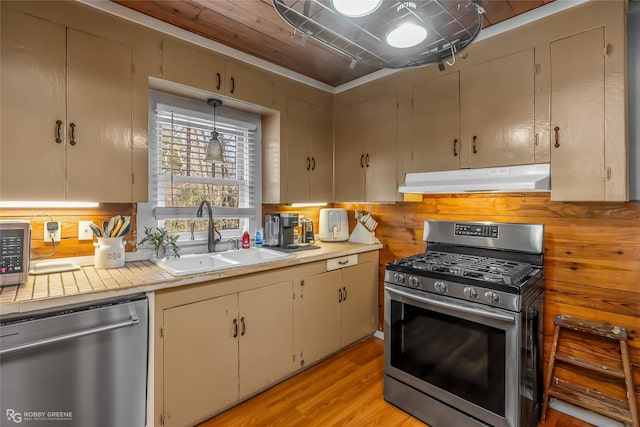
<point>73,133</point>
<point>557,136</point>
<point>58,131</point>
<point>475,138</point>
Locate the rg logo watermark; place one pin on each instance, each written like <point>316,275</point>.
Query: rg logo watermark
<point>14,416</point>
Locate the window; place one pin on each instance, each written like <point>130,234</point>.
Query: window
<point>179,177</point>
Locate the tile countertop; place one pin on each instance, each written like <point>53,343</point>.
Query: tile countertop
<point>91,284</point>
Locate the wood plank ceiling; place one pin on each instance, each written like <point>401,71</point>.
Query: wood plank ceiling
<point>254,27</point>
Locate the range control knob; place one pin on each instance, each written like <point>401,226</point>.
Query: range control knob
<point>398,277</point>
<point>470,292</point>
<point>414,281</point>
<point>491,297</point>
<point>440,287</point>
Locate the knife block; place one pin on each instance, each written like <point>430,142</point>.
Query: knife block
<point>361,235</point>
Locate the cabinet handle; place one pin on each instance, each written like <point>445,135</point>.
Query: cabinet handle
<point>235,328</point>
<point>362,161</point>
<point>344,293</point>
<point>219,84</point>
<point>313,163</point>
<point>345,262</point>
<point>557,133</point>
<point>339,295</point>
<point>244,327</point>
<point>455,148</point>
<point>366,160</point>
<point>73,133</point>
<point>58,131</point>
<point>233,85</point>
<point>308,163</point>
<point>474,144</point>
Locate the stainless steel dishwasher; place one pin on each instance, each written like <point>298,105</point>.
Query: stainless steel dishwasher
<point>76,366</point>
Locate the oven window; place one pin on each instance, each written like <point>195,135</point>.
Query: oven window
<point>464,358</point>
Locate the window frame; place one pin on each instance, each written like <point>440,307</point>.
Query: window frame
<point>149,216</point>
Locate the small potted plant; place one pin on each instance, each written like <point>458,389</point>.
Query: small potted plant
<point>162,242</point>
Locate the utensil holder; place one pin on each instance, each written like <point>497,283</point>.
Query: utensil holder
<point>109,252</point>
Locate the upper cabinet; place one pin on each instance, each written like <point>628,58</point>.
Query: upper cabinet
<point>66,113</point>
<point>436,124</point>
<point>310,152</point>
<point>580,164</point>
<point>497,112</point>
<point>203,69</point>
<point>365,150</point>
<point>193,66</point>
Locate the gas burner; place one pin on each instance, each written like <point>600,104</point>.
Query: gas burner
<point>474,267</point>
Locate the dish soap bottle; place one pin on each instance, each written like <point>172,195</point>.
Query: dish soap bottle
<point>259,237</point>
<point>246,242</point>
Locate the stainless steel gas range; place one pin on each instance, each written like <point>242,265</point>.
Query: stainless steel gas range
<point>463,326</point>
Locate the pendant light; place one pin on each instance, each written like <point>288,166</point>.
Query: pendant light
<point>214,149</point>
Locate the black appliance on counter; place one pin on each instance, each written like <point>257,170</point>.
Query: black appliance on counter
<point>463,326</point>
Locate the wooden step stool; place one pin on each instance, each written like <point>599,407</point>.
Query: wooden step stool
<point>615,408</point>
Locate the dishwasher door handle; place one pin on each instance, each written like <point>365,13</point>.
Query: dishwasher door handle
<point>131,322</point>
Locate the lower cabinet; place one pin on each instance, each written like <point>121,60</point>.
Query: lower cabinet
<point>219,342</point>
<point>338,308</point>
<point>224,349</point>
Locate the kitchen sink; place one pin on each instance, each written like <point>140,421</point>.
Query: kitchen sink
<point>202,263</point>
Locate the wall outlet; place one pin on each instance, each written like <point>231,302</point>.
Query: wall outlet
<point>52,227</point>
<point>84,231</point>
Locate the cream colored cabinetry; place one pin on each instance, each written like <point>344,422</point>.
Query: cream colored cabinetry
<point>339,307</point>
<point>203,69</point>
<point>223,349</point>
<point>310,152</point>
<point>365,150</point>
<point>497,112</point>
<point>66,113</point>
<point>200,354</point>
<point>193,66</point>
<point>436,124</point>
<point>581,154</point>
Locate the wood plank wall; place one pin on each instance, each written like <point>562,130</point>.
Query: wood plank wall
<point>592,258</point>
<point>69,245</point>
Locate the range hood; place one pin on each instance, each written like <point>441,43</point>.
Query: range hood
<point>503,179</point>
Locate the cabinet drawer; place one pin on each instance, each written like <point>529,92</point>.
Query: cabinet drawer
<point>342,262</point>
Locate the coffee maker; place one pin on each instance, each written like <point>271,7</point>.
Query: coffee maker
<point>288,223</point>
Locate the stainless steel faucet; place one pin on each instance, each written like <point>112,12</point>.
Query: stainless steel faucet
<point>211,238</point>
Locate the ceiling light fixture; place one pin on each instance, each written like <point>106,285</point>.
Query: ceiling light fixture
<point>387,34</point>
<point>406,35</point>
<point>214,149</point>
<point>356,8</point>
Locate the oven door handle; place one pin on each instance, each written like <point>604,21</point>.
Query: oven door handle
<point>451,306</point>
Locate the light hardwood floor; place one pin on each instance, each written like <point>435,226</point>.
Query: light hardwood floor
<point>345,390</point>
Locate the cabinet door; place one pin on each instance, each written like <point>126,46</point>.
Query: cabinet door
<point>360,303</point>
<point>249,84</point>
<point>321,318</point>
<point>380,157</point>
<point>33,100</point>
<point>577,112</point>
<point>99,84</point>
<point>321,155</point>
<point>350,150</point>
<point>436,124</point>
<point>266,336</point>
<point>298,155</point>
<point>192,66</point>
<point>497,111</point>
<point>200,360</point>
